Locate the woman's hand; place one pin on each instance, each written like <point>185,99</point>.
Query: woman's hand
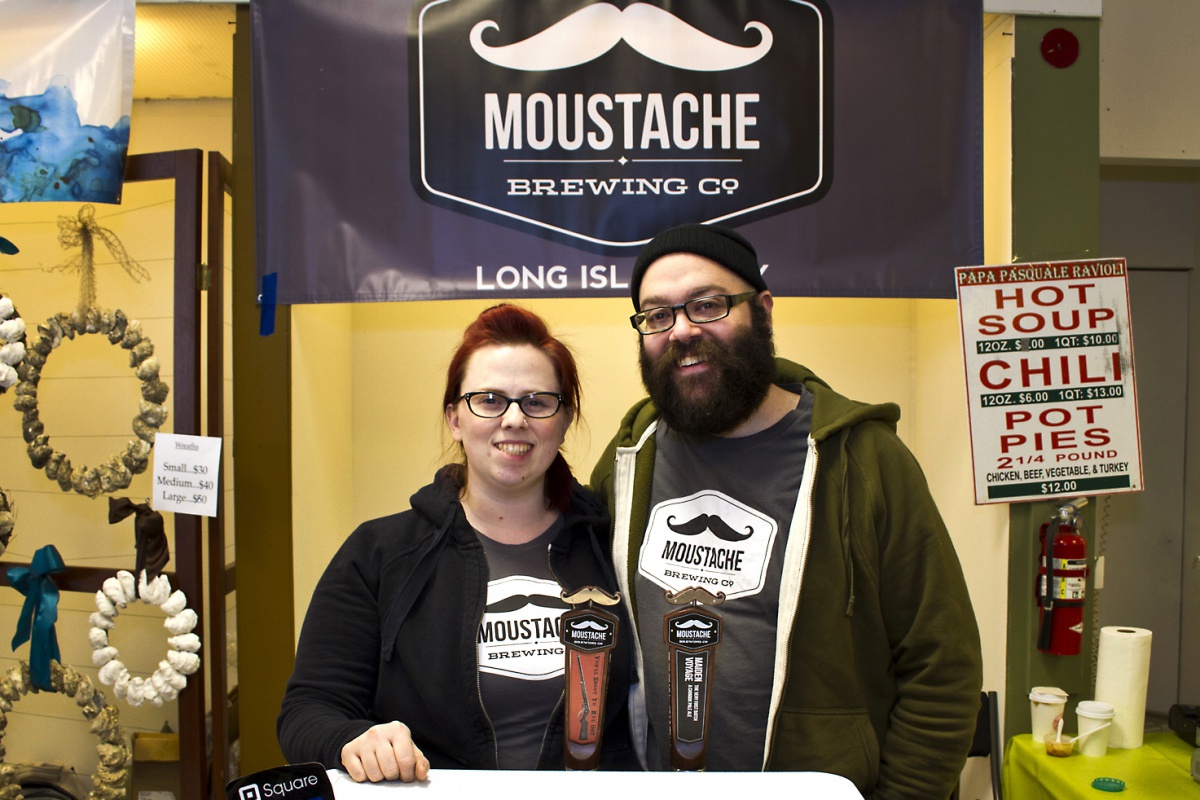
<point>385,752</point>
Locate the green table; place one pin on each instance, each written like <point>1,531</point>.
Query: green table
<point>1159,769</point>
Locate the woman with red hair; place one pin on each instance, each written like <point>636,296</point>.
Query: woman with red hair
<point>432,639</point>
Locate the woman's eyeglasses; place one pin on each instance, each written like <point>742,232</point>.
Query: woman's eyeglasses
<point>536,405</point>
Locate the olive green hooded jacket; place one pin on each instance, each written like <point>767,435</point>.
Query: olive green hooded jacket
<point>878,666</point>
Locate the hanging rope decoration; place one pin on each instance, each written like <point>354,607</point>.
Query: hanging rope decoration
<point>109,779</point>
<point>117,473</point>
<point>82,231</point>
<point>12,343</point>
<point>171,676</point>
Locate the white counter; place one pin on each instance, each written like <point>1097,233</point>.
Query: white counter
<point>450,784</point>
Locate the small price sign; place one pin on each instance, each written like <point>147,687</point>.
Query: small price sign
<point>185,473</point>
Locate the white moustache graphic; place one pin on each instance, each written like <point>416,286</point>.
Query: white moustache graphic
<point>587,623</point>
<point>694,623</point>
<point>594,30</point>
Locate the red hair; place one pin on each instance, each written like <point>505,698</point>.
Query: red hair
<point>507,324</point>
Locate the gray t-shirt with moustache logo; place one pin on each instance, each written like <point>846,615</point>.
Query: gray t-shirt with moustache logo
<point>521,660</point>
<point>720,513</point>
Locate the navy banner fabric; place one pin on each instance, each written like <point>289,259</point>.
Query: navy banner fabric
<point>434,149</point>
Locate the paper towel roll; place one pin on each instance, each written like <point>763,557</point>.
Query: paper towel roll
<point>1122,677</point>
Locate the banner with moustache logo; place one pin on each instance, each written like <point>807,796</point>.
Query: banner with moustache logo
<point>564,112</point>
<point>441,149</point>
<point>519,634</point>
<point>708,540</point>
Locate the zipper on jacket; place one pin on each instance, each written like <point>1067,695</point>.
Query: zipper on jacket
<point>478,683</point>
<point>624,473</point>
<point>562,695</point>
<point>486,716</point>
<point>546,733</point>
<point>784,659</point>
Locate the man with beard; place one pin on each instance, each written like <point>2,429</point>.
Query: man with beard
<point>848,643</point>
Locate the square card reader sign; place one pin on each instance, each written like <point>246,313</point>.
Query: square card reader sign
<point>185,473</point>
<point>1052,398</point>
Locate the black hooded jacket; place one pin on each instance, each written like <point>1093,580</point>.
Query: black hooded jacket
<point>390,634</point>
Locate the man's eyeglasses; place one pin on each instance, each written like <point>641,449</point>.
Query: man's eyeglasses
<point>489,405</point>
<point>699,311</point>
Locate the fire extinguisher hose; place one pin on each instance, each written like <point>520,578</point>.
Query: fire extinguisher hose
<point>1046,626</point>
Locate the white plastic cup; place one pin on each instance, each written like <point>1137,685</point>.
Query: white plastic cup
<point>1092,714</point>
<point>1046,705</point>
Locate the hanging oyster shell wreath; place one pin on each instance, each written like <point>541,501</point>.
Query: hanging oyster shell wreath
<point>154,588</point>
<point>182,660</point>
<point>117,472</point>
<point>109,779</point>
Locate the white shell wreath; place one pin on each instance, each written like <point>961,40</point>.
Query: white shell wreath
<point>171,676</point>
<point>12,343</point>
<point>117,473</point>
<point>109,779</point>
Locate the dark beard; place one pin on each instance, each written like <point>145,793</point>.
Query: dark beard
<point>740,375</point>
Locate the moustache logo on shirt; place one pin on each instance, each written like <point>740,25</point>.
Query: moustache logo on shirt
<point>709,522</point>
<point>520,630</point>
<point>518,601</point>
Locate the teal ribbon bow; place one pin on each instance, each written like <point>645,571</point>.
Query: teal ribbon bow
<point>35,624</point>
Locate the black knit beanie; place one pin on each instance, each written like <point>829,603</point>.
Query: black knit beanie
<point>723,245</point>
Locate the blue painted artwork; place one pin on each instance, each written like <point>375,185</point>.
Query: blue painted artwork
<point>47,155</point>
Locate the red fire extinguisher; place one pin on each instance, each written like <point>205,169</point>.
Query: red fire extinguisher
<point>1062,583</point>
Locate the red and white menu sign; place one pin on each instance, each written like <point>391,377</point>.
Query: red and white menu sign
<point>1050,381</point>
